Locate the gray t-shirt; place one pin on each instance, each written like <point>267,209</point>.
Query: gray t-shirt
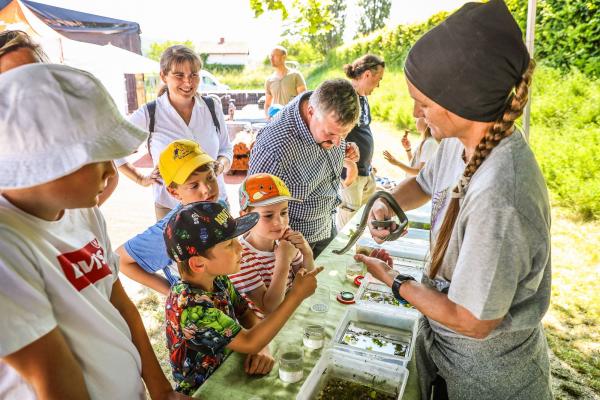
<point>284,89</point>
<point>498,257</point>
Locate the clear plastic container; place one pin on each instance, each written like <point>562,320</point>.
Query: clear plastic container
<point>374,293</point>
<point>389,378</point>
<point>373,331</point>
<point>414,249</point>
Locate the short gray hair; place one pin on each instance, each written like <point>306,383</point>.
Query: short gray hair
<point>339,97</point>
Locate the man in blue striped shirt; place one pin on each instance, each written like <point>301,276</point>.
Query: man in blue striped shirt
<point>304,146</point>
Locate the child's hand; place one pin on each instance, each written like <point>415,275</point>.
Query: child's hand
<point>298,241</point>
<point>260,363</point>
<point>383,255</point>
<point>285,251</point>
<point>305,283</point>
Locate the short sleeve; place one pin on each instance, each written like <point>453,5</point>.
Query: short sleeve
<point>297,262</point>
<point>428,150</point>
<point>248,279</point>
<point>300,80</point>
<point>268,87</point>
<point>213,329</point>
<point>26,313</point>
<point>494,256</point>
<point>240,305</point>
<point>148,248</point>
<point>140,118</point>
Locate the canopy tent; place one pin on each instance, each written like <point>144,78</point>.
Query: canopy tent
<point>108,62</point>
<point>85,27</point>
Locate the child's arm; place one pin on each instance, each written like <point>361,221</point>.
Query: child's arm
<point>262,362</point>
<point>157,384</point>
<point>132,270</point>
<point>255,339</point>
<point>351,172</point>
<point>268,299</point>
<point>50,367</point>
<point>299,242</point>
<point>394,161</point>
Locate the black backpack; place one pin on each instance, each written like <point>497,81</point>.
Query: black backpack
<point>151,108</point>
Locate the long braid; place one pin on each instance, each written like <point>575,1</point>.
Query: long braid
<point>500,129</point>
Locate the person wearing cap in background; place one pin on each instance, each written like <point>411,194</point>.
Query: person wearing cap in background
<point>305,147</point>
<point>189,176</point>
<point>68,328</point>
<point>206,317</point>
<point>272,253</point>
<point>284,84</point>
<point>16,49</point>
<point>487,284</point>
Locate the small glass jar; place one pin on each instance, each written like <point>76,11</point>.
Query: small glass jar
<point>290,363</point>
<point>314,337</point>
<point>353,270</point>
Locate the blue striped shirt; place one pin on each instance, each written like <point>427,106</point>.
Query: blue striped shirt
<point>286,148</point>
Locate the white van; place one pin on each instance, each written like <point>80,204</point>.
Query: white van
<point>209,83</point>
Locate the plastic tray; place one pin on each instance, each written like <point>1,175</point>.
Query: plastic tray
<point>415,249</point>
<point>369,283</point>
<point>400,322</point>
<point>391,378</point>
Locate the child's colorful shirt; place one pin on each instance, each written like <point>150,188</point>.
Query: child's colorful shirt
<point>257,269</point>
<point>199,325</point>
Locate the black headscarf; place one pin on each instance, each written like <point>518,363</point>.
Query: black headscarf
<point>469,63</point>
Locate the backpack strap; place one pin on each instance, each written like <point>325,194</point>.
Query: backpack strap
<point>210,102</point>
<point>151,109</point>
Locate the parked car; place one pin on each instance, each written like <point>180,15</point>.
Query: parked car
<point>209,83</point>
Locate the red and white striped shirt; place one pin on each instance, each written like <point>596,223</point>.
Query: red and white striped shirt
<point>256,270</point>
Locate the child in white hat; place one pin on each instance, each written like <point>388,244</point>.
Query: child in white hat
<point>68,329</point>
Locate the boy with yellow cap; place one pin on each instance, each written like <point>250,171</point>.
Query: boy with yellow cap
<point>272,253</point>
<point>188,174</point>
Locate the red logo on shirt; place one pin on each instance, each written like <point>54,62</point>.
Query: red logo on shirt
<point>85,266</point>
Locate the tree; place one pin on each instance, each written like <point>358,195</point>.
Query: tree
<point>157,48</point>
<point>375,13</point>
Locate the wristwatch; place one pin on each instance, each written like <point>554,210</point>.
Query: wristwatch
<point>398,281</point>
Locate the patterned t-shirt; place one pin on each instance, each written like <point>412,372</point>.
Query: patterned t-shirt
<point>199,325</point>
<point>256,270</point>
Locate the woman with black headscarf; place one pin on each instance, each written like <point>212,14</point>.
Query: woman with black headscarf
<point>487,284</point>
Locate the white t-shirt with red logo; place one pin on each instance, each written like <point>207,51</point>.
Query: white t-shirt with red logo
<point>61,273</point>
<point>257,269</point>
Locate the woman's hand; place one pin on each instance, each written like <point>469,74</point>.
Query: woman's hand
<point>405,141</point>
<point>379,212</point>
<point>147,180</point>
<point>378,268</point>
<point>221,165</point>
<point>390,158</point>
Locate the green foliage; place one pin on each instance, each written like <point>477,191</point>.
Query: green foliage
<point>391,44</point>
<point>260,6</point>
<point>157,48</point>
<point>567,32</point>
<point>224,68</point>
<point>300,51</point>
<point>374,15</point>
<point>247,79</point>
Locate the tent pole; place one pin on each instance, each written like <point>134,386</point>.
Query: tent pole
<point>529,40</point>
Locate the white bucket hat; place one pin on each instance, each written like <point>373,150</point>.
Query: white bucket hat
<point>54,120</point>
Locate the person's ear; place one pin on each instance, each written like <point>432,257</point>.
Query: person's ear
<point>174,192</point>
<point>163,77</point>
<point>197,263</point>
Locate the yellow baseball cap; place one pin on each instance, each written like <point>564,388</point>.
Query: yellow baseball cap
<point>180,159</point>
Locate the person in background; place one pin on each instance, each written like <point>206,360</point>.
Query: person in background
<point>180,113</point>
<point>423,153</point>
<point>364,73</point>
<point>305,147</point>
<point>17,48</point>
<point>284,84</point>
